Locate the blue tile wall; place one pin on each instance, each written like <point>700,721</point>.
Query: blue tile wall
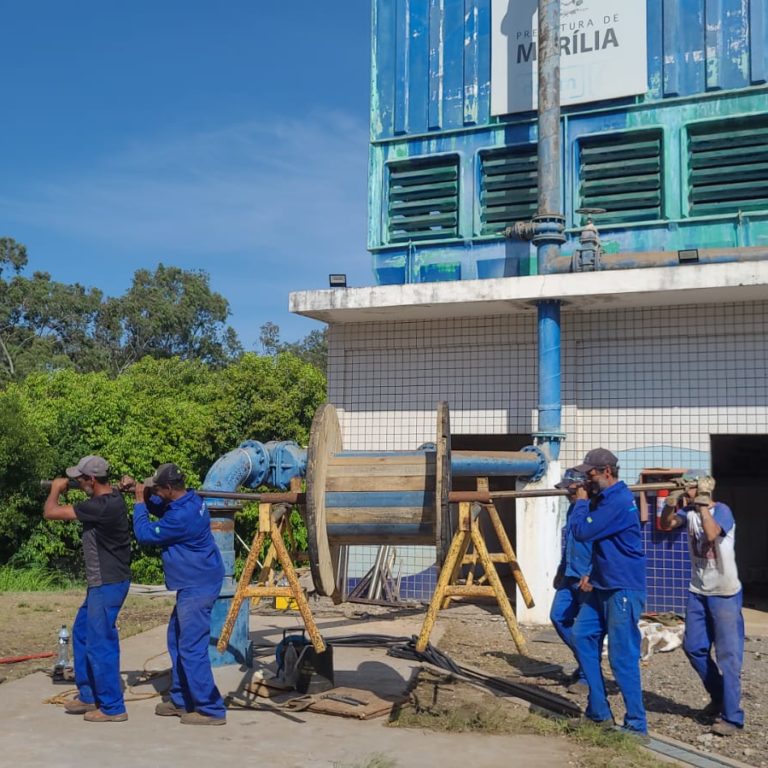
<point>668,569</point>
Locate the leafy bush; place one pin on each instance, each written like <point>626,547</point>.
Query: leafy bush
<point>147,569</point>
<point>157,410</point>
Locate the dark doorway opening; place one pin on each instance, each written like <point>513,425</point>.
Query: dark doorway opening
<point>740,467</point>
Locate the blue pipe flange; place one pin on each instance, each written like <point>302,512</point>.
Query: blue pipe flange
<point>259,463</point>
<point>286,460</point>
<point>542,465</point>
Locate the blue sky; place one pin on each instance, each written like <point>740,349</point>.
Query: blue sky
<point>227,136</point>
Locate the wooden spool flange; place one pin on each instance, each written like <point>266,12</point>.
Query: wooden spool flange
<point>359,476</point>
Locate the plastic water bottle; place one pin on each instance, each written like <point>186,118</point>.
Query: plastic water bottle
<point>62,660</point>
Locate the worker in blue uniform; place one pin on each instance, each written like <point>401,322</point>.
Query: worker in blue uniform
<point>193,567</point>
<point>605,514</point>
<point>572,578</point>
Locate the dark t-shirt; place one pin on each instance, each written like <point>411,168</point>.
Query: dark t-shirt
<point>106,539</point>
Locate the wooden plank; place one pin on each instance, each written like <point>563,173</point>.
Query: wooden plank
<point>416,458</point>
<point>392,515</point>
<point>381,483</point>
<point>394,540</point>
<point>379,469</point>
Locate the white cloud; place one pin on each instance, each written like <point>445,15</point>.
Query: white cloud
<point>242,188</point>
<point>265,208</point>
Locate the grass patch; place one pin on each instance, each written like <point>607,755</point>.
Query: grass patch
<point>442,703</point>
<point>33,580</point>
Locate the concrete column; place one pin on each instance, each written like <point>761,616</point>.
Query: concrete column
<point>537,536</point>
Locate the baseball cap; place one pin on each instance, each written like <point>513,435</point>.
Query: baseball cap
<point>597,457</point>
<point>571,477</point>
<point>93,466</point>
<point>165,474</point>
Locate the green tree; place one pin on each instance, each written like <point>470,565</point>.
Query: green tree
<point>46,325</point>
<point>24,459</point>
<point>268,398</point>
<point>43,323</point>
<point>170,312</point>
<point>313,348</point>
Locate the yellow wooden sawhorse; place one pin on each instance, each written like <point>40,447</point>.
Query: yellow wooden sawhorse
<point>468,532</point>
<point>273,519</point>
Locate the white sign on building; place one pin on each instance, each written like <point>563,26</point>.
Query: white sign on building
<point>602,52</point>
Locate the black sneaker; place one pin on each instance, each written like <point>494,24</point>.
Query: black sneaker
<point>710,713</point>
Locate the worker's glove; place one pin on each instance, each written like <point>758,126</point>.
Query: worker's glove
<point>680,482</point>
<point>673,500</point>
<point>559,581</point>
<point>706,485</point>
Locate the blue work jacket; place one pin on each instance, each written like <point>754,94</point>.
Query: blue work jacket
<point>611,522</point>
<point>183,532</point>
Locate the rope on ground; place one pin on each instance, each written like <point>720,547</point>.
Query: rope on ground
<point>146,676</point>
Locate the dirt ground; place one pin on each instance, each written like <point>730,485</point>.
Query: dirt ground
<point>473,635</point>
<point>30,623</point>
<point>673,693</point>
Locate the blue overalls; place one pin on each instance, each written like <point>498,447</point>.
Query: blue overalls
<point>611,522</point>
<point>193,567</point>
<point>576,561</point>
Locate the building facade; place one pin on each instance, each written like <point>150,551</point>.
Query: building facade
<point>664,357</point>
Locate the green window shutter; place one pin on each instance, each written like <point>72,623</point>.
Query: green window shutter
<point>622,174</point>
<point>508,187</point>
<point>423,199</point>
<point>728,166</point>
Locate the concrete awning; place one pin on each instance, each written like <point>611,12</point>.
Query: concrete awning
<point>583,291</point>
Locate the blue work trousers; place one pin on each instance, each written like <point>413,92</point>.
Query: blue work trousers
<point>717,621</point>
<point>615,613</point>
<point>189,635</point>
<point>562,614</point>
<point>96,648</point>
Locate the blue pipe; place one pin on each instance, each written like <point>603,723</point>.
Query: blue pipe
<point>550,403</point>
<point>549,224</point>
<point>529,462</point>
<point>247,465</point>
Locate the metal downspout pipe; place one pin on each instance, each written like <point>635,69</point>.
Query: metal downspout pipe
<point>537,519</point>
<point>549,224</point>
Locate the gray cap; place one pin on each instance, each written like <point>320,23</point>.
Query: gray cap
<point>597,457</point>
<point>570,478</point>
<point>165,475</point>
<point>93,466</point>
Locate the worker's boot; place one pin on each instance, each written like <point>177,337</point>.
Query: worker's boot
<point>198,718</point>
<point>97,716</point>
<point>169,709</point>
<point>77,707</point>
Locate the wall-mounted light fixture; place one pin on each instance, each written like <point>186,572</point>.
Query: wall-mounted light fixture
<point>337,281</point>
<point>688,256</point>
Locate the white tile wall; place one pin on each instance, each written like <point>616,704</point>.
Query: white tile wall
<point>645,382</point>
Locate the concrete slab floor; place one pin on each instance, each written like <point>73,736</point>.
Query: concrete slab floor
<point>36,734</point>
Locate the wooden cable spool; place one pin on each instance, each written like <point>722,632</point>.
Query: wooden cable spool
<point>373,497</point>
